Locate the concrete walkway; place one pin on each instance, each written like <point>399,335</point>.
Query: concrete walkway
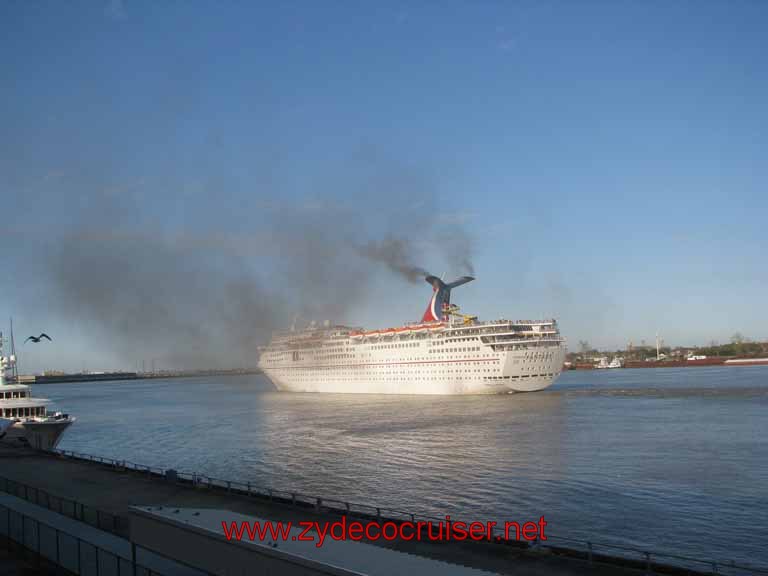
<point>115,491</point>
<point>112,549</point>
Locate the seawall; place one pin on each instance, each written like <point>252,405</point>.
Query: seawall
<point>107,489</point>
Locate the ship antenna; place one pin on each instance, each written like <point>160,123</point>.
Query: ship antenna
<point>14,367</point>
<point>2,361</point>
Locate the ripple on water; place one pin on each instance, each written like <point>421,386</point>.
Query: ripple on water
<point>666,459</point>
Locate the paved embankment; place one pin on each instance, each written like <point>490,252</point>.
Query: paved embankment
<point>113,490</point>
<point>57,535</point>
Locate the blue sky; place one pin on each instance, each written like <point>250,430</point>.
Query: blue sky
<point>608,161</point>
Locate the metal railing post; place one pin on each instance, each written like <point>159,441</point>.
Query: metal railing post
<point>589,552</point>
<point>37,529</point>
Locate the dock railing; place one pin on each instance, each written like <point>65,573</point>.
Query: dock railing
<point>50,548</point>
<point>55,546</point>
<point>66,507</point>
<point>590,551</point>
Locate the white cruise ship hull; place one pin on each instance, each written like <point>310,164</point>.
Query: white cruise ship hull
<point>446,353</point>
<point>417,368</point>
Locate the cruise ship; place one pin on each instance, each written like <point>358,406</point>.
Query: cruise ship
<point>447,352</point>
<point>24,419</point>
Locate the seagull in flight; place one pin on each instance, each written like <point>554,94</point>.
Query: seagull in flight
<point>36,339</point>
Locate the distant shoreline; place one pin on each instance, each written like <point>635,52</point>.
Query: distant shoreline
<point>676,364</point>
<point>117,376</point>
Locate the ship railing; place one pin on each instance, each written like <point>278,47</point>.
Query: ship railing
<point>504,322</point>
<point>497,340</point>
<point>591,551</point>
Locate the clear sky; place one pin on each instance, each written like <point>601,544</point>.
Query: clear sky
<point>606,163</point>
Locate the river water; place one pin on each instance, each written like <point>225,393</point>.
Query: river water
<point>665,459</point>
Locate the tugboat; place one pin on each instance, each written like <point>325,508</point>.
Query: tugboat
<point>25,420</point>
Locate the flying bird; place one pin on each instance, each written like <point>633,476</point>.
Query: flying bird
<point>36,339</point>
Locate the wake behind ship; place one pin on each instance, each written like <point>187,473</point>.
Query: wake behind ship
<point>446,353</point>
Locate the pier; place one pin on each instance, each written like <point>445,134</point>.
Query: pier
<point>62,377</point>
<point>100,493</point>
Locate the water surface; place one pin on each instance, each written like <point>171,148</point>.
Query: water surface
<point>666,459</point>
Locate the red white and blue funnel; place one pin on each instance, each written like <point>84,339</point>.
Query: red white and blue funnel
<point>441,297</point>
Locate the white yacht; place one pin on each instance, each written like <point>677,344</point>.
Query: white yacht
<point>24,419</point>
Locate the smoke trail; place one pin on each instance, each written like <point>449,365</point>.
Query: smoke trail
<point>457,249</point>
<point>207,295</point>
<point>396,254</point>
<point>201,302</point>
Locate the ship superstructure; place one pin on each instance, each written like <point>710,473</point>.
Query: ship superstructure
<point>23,418</point>
<point>445,353</point>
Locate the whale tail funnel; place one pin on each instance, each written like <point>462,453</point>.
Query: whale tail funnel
<point>441,297</point>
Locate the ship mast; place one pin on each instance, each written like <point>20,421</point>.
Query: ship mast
<point>3,361</point>
<point>15,364</point>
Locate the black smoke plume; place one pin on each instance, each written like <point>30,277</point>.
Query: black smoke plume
<point>207,297</point>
